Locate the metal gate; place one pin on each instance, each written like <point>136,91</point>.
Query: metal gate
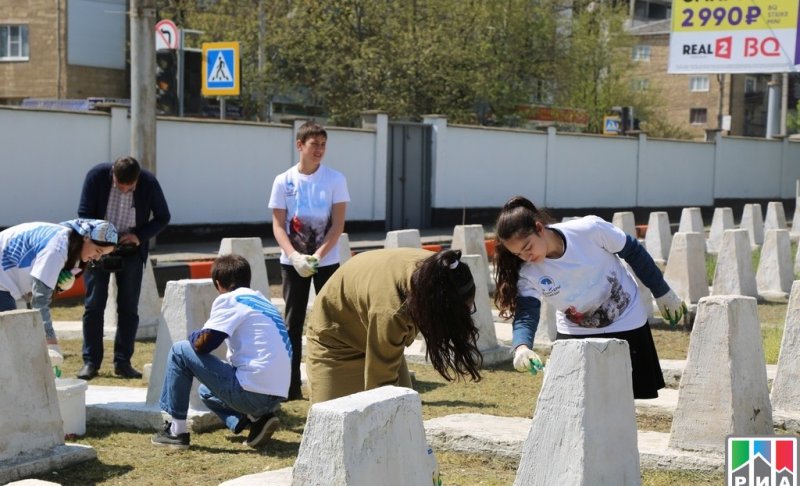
<point>408,176</point>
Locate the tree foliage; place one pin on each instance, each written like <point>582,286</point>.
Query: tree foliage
<point>474,61</point>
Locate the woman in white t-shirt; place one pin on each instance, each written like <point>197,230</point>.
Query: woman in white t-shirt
<point>39,259</point>
<point>576,267</point>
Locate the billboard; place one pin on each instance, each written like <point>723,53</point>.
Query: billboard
<point>734,36</point>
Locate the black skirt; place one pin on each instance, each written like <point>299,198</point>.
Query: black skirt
<point>647,375</point>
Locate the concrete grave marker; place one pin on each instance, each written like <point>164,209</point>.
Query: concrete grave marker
<point>691,221</point>
<point>734,272</point>
<point>658,239</point>
<point>774,275</point>
<point>149,304</point>
<point>32,438</point>
<point>786,386</point>
<point>368,438</point>
<point>344,249</point>
<point>253,251</point>
<point>408,238</point>
<point>686,267</point>
<point>187,306</point>
<point>776,217</point>
<point>723,389</point>
<point>625,221</point>
<point>753,222</point>
<point>471,240</point>
<point>722,220</point>
<point>795,230</point>
<point>584,428</point>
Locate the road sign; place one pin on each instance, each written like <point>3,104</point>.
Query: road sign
<point>610,125</point>
<point>167,35</point>
<point>221,69</point>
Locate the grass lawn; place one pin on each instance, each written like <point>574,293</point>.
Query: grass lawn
<point>127,457</point>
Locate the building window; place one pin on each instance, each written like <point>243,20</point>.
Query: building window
<point>698,116</point>
<point>698,83</point>
<point>640,84</point>
<point>13,42</point>
<point>641,53</point>
<point>750,84</point>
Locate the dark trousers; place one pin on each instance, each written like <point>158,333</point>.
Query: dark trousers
<point>129,285</point>
<point>295,294</point>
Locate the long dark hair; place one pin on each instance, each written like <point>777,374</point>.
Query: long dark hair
<point>517,219</point>
<point>74,247</point>
<point>440,287</point>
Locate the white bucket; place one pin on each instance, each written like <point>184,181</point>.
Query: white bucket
<point>72,402</point>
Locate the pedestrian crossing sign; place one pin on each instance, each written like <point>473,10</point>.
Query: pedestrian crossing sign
<point>611,125</point>
<point>221,69</point>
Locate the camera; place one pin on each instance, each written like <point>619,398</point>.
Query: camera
<point>113,262</point>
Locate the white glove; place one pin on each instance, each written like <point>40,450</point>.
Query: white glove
<point>672,307</point>
<point>305,265</point>
<point>527,360</point>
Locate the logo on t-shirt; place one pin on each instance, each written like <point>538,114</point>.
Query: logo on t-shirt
<point>291,190</point>
<point>549,286</point>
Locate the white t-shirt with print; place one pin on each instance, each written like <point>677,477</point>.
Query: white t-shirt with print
<point>588,285</point>
<point>32,250</point>
<point>308,199</point>
<point>258,343</point>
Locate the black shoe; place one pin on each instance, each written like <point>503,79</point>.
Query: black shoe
<point>262,429</point>
<point>244,422</point>
<point>126,371</point>
<point>164,438</point>
<point>88,372</point>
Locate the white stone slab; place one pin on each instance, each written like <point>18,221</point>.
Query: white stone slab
<point>658,238</point>
<point>734,272</point>
<point>187,306</point>
<point>722,220</point>
<point>723,390</point>
<point>279,477</point>
<point>776,216</point>
<point>753,222</point>
<point>503,437</point>
<point>775,274</point>
<point>41,461</point>
<point>252,249</point>
<point>471,240</point>
<point>691,221</point>
<point>122,406</point>
<point>786,387</point>
<point>371,437</point>
<point>686,267</point>
<point>584,428</point>
<point>149,304</point>
<point>408,238</point>
<point>625,221</point>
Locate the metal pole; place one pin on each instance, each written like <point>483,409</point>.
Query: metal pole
<point>181,70</point>
<point>720,101</point>
<point>773,106</point>
<point>784,102</point>
<point>143,75</point>
<point>221,108</point>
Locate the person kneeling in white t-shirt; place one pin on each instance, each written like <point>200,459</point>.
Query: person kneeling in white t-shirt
<point>247,389</point>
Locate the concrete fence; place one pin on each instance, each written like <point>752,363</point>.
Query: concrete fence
<point>220,173</point>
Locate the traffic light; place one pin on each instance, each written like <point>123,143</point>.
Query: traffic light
<point>166,83</point>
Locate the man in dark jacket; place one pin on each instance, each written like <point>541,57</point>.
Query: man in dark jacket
<point>126,195</point>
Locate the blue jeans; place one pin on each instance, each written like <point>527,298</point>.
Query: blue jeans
<point>129,285</point>
<point>219,389</point>
<point>7,302</point>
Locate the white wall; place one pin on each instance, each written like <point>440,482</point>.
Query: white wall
<point>591,171</point>
<point>689,166</point>
<point>222,172</point>
<point>483,167</point>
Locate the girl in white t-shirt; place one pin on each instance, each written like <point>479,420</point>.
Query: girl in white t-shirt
<point>39,259</point>
<point>576,267</point>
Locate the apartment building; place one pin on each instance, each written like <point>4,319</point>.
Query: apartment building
<point>65,49</point>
